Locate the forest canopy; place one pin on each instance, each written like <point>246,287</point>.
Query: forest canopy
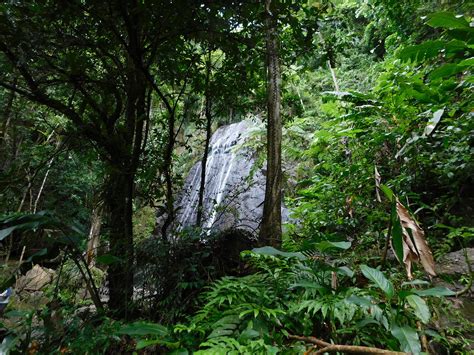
<point>236,177</point>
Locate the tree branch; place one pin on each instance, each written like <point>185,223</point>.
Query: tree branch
<point>332,348</point>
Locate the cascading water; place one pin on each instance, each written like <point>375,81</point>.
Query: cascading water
<point>234,193</point>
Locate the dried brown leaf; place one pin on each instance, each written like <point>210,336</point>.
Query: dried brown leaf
<point>415,247</point>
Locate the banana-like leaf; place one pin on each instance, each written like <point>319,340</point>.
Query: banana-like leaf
<point>447,20</point>
<point>23,222</point>
<point>408,338</point>
<point>397,234</point>
<point>435,291</point>
<point>419,52</point>
<point>420,308</point>
<point>387,191</point>
<point>378,278</point>
<point>325,245</point>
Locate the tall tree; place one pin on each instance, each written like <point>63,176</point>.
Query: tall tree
<point>270,229</point>
<point>208,126</point>
<point>95,62</point>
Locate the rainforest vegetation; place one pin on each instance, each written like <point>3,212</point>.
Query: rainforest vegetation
<point>124,122</point>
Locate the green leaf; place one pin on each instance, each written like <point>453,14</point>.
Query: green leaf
<point>435,291</point>
<point>146,343</point>
<point>447,20</point>
<point>107,259</point>
<point>41,252</point>
<point>419,52</point>
<point>6,232</point>
<point>402,294</point>
<point>345,271</point>
<point>8,344</point>
<point>307,284</point>
<point>143,328</point>
<point>466,62</point>
<point>408,339</point>
<point>325,245</point>
<point>387,191</point>
<point>379,279</point>
<point>249,334</point>
<point>397,232</point>
<point>397,239</point>
<point>23,222</point>
<point>420,307</point>
<point>360,301</point>
<point>366,321</point>
<point>275,252</point>
<point>445,70</point>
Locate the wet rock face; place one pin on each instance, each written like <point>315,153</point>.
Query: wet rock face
<point>234,187</point>
<point>455,262</point>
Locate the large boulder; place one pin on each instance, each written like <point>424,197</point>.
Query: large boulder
<point>455,262</point>
<point>35,279</point>
<point>234,186</point>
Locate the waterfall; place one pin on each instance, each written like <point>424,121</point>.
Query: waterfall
<point>234,193</point>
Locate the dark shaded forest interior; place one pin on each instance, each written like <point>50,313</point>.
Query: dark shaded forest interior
<point>236,177</point>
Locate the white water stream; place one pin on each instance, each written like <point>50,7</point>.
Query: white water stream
<point>232,198</point>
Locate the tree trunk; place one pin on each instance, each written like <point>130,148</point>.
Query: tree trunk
<point>118,199</point>
<point>120,192</point>
<point>168,173</point>
<point>270,230</point>
<point>7,110</point>
<point>94,233</point>
<point>208,114</point>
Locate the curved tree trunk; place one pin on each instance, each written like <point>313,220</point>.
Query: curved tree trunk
<point>270,230</point>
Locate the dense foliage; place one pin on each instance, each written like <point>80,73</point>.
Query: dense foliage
<point>102,120</point>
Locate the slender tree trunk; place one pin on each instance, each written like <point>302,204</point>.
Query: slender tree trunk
<point>48,169</point>
<point>270,230</point>
<point>7,110</point>
<point>94,233</point>
<point>168,172</point>
<point>208,114</point>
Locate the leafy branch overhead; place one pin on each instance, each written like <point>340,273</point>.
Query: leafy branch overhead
<point>197,177</point>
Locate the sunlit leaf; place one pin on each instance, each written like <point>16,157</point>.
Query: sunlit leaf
<point>387,192</point>
<point>430,127</point>
<point>445,70</point>
<point>275,252</point>
<point>447,20</point>
<point>425,50</point>
<point>325,245</point>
